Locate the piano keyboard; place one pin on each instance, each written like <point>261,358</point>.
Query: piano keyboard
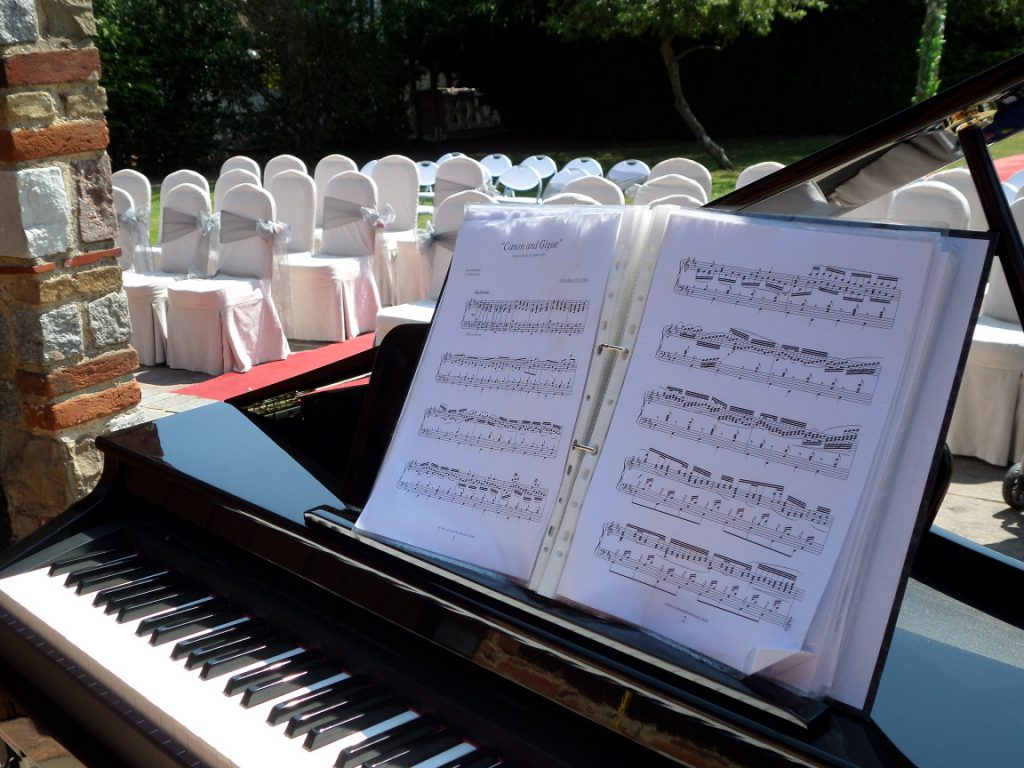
<point>229,687</point>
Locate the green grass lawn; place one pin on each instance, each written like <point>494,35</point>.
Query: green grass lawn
<point>742,152</point>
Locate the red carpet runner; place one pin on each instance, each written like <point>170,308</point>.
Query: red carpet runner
<point>229,385</point>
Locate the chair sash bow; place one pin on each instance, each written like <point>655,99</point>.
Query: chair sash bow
<point>135,224</point>
<point>338,213</point>
<point>176,224</point>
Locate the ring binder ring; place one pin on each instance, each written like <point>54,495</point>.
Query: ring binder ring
<point>602,347</point>
<point>578,446</point>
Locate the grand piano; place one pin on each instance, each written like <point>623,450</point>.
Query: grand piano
<point>209,605</point>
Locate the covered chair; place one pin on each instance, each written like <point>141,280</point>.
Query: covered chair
<point>930,204</point>
<point>459,174</point>
<point>437,249</point>
<point>333,292</point>
<point>398,185</point>
<point>230,179</point>
<point>133,222</point>
<point>228,322</point>
<point>669,184</point>
<point>757,171</point>
<point>173,179</point>
<point>569,198</point>
<point>988,418</point>
<point>603,190</point>
<point>684,166</point>
<point>280,163</point>
<point>680,201</point>
<point>185,244</point>
<point>961,180</point>
<point>328,167</point>
<point>241,162</point>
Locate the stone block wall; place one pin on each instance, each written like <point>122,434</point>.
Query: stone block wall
<point>65,361</point>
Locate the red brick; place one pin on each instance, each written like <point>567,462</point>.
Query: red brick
<point>35,269</point>
<point>78,410</point>
<point>83,259</point>
<point>54,140</point>
<point>78,377</point>
<point>47,67</point>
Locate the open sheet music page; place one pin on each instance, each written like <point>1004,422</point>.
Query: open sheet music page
<point>474,468</point>
<point>754,414</point>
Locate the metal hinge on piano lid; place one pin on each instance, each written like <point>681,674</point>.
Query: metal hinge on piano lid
<point>979,116</point>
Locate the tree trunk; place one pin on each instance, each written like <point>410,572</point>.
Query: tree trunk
<point>929,49</point>
<point>668,55</point>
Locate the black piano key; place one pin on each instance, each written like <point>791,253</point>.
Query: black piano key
<point>272,670</point>
<point>88,560</point>
<point>157,579</point>
<point>226,633</point>
<point>148,624</point>
<point>411,755</point>
<point>259,694</point>
<point>316,698</point>
<point>375,747</point>
<point>222,665</point>
<point>276,672</point>
<point>240,641</point>
<point>110,577</point>
<point>475,760</point>
<point>178,624</point>
<point>159,605</point>
<point>350,706</point>
<point>331,732</point>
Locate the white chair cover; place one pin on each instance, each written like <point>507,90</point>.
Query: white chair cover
<point>449,156</point>
<point>282,163</point>
<point>569,198</point>
<point>436,249</point>
<point>227,180</point>
<point>173,179</point>
<point>628,173</point>
<point>756,172</point>
<point>988,418</point>
<point>398,185</point>
<point>682,201</point>
<point>603,190</point>
<point>459,174</point>
<point>141,191</point>
<point>960,179</point>
<point>334,293</point>
<point>243,163</point>
<point>328,167</point>
<point>123,204</point>
<point>558,181</point>
<point>183,245</point>
<point>229,322</point>
<point>669,184</point>
<point>684,166</point>
<point>929,204</point>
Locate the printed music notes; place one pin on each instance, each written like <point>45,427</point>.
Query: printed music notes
<point>825,292</point>
<point>526,315</point>
<point>526,375</point>
<point>479,429</point>
<point>508,498</point>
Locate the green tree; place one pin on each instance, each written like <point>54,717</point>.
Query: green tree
<point>970,21</point>
<point>178,76</point>
<point>330,72</point>
<point>679,27</point>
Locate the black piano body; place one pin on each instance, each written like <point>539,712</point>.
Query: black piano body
<point>255,500</point>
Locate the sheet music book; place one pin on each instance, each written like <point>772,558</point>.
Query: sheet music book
<point>717,428</point>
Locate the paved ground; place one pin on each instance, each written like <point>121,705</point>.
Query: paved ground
<point>973,506</point>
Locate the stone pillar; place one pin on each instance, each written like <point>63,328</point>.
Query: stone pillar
<point>65,361</point>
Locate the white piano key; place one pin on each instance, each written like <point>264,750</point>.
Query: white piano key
<point>214,726</point>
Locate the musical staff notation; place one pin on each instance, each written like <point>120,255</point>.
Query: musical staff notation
<point>756,511</point>
<point>826,293</point>
<point>528,375</point>
<point>548,316</point>
<point>773,439</point>
<point>480,429</point>
<point>745,355</point>
<point>509,497</point>
<point>753,591</point>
